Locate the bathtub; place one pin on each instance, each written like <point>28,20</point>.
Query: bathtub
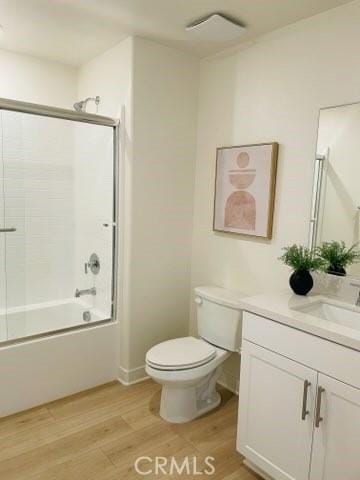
<point>43,318</point>
<point>48,352</point>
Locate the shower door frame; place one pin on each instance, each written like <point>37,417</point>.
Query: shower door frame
<point>82,117</point>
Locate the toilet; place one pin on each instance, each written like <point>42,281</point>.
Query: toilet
<point>188,368</point>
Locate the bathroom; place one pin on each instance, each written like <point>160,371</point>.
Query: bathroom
<point>131,178</point>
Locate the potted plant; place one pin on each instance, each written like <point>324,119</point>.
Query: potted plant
<point>337,256</point>
<point>302,260</point>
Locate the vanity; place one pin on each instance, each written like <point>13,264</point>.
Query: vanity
<point>299,401</point>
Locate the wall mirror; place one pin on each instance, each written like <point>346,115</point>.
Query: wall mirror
<point>336,194</point>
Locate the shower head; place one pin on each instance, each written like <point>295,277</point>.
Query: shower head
<point>81,106</point>
<point>78,106</point>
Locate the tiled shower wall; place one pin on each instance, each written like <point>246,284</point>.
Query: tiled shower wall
<point>56,189</point>
<point>37,156</point>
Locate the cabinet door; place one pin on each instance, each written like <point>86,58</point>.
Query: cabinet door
<point>276,413</point>
<point>336,447</point>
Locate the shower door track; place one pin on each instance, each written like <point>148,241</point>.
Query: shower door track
<point>55,112</point>
<point>59,331</point>
<point>94,119</point>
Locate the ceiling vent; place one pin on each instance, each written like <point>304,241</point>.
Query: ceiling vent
<point>215,28</point>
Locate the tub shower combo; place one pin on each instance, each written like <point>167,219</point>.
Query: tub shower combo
<point>58,219</point>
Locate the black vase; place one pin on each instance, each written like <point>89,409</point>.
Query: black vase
<point>340,271</point>
<point>301,282</point>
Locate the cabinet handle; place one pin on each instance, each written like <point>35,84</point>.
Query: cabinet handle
<point>318,417</point>
<point>7,230</point>
<point>305,411</point>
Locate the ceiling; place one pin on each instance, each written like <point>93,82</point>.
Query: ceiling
<point>74,31</point>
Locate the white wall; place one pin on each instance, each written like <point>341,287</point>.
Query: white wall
<point>165,87</point>
<point>109,75</point>
<point>31,79</point>
<point>271,91</point>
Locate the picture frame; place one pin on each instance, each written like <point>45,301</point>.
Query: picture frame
<point>245,182</point>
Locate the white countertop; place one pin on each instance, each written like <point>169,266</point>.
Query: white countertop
<point>279,307</point>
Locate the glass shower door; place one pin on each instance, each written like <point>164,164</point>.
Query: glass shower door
<point>94,204</point>
<point>58,195</point>
<point>3,329</point>
<point>37,157</point>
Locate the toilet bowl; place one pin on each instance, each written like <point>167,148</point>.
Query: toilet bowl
<point>188,368</point>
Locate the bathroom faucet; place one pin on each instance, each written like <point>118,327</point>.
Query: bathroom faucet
<point>88,291</point>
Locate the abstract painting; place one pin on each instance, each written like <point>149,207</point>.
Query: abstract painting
<point>245,189</point>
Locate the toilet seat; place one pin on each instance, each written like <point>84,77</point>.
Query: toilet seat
<point>180,354</point>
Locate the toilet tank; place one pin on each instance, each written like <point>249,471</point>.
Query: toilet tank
<point>219,316</point>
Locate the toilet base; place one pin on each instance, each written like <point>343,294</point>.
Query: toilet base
<point>182,403</point>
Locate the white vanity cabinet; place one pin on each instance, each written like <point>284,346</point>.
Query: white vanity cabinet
<point>274,432</point>
<point>336,445</point>
<point>298,419</point>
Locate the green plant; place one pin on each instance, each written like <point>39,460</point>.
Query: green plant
<point>337,256</point>
<point>301,258</point>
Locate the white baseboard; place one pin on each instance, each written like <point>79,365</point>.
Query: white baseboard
<point>257,470</point>
<point>230,382</point>
<point>134,375</point>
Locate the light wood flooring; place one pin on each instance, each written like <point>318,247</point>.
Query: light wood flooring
<point>98,434</point>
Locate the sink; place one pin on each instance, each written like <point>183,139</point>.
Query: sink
<point>347,316</point>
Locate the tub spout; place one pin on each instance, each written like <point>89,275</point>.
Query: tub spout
<point>89,291</point>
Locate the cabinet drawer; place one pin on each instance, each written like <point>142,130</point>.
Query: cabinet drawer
<point>327,357</point>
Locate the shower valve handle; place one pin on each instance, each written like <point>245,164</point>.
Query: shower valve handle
<point>93,264</point>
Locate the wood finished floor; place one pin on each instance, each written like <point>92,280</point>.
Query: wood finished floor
<point>98,434</point>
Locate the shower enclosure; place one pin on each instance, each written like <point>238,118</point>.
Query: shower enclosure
<point>58,212</point>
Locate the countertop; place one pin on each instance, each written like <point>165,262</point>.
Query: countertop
<point>281,307</point>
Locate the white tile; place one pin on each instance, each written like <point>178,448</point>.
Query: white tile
<point>58,187</point>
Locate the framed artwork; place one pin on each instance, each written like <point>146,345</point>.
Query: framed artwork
<point>245,189</point>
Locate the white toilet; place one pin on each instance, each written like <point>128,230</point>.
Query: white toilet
<point>188,368</point>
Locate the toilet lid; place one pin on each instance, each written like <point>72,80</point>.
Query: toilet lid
<point>180,353</point>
